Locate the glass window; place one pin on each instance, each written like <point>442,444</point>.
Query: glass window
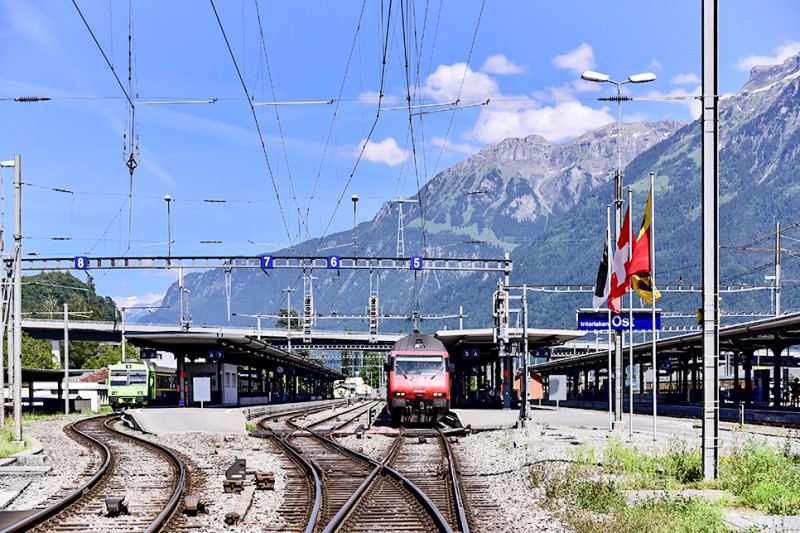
<point>138,377</point>
<point>418,365</point>
<point>119,378</point>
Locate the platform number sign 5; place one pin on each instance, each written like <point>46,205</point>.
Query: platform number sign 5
<point>334,262</point>
<point>81,262</point>
<point>416,262</point>
<point>267,262</point>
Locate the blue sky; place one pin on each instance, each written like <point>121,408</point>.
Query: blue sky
<point>524,57</point>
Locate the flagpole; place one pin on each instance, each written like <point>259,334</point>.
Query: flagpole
<point>630,320</point>
<point>653,300</point>
<point>608,382</point>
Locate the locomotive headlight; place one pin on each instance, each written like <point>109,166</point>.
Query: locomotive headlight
<point>398,393</point>
<point>438,394</point>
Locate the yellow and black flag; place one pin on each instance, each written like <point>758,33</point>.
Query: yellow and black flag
<point>640,268</point>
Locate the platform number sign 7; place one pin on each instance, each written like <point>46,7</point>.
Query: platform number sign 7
<point>416,262</point>
<point>334,262</point>
<point>267,262</point>
<point>81,262</point>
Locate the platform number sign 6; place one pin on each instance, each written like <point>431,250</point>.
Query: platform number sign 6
<point>334,261</point>
<point>267,262</point>
<point>416,262</point>
<point>81,262</point>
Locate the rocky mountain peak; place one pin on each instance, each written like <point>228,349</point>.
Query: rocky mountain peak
<point>764,77</point>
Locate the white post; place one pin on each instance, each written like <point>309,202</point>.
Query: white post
<point>66,358</point>
<point>609,381</point>
<point>630,316</point>
<point>653,306</point>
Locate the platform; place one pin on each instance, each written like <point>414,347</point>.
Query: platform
<point>188,420</point>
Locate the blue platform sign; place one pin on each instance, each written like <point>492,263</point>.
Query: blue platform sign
<point>148,353</point>
<point>598,320</point>
<point>334,262</point>
<point>267,262</point>
<point>215,355</point>
<point>416,262</point>
<point>471,353</point>
<point>81,262</point>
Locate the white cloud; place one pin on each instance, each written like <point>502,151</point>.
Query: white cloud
<point>449,83</point>
<point>386,152</point>
<point>577,61</point>
<point>558,122</point>
<point>449,144</point>
<point>681,79</point>
<point>655,64</point>
<point>787,49</point>
<point>500,64</point>
<point>29,21</point>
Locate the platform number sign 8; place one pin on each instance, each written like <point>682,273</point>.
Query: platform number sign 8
<point>267,262</point>
<point>81,262</point>
<point>416,262</point>
<point>334,261</point>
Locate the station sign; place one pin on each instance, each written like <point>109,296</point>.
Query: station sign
<point>471,353</point>
<point>148,353</point>
<point>598,320</point>
<point>215,355</point>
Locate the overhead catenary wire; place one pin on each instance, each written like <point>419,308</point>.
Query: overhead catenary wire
<point>257,124</point>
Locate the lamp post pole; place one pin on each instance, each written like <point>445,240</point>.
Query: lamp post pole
<point>619,374</point>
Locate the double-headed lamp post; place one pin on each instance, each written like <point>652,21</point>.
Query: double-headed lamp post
<point>597,77</point>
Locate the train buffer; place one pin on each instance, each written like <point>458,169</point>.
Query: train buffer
<point>192,504</point>
<point>116,505</point>
<point>235,476</point>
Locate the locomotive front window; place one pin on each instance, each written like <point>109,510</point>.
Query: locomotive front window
<point>138,377</point>
<point>119,378</point>
<point>416,365</point>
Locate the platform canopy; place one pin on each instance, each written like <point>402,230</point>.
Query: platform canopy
<point>537,338</point>
<point>238,349</point>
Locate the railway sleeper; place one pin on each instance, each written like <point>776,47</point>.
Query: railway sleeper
<point>265,480</point>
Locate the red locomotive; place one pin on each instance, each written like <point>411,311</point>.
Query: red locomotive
<point>419,380</point>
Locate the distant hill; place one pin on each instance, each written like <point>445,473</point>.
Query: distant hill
<point>546,205</point>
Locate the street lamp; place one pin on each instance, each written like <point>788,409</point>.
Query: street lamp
<point>168,199</point>
<point>598,77</point>
<point>355,225</point>
<point>258,318</point>
<point>122,329</point>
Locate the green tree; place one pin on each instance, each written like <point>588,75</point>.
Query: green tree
<point>37,353</point>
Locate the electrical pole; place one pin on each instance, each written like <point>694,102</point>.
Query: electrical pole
<point>17,353</point>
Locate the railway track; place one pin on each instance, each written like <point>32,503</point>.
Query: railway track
<point>334,488</point>
<point>148,478</point>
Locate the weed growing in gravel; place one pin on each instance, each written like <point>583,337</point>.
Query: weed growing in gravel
<point>763,477</point>
<point>7,445</point>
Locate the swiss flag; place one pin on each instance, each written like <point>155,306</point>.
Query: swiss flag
<point>619,267</point>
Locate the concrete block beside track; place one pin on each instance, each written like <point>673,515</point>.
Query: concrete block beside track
<point>189,420</point>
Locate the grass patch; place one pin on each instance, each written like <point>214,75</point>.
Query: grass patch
<point>763,477</point>
<point>7,444</point>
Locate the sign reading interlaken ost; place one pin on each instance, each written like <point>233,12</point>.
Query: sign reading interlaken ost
<point>598,320</point>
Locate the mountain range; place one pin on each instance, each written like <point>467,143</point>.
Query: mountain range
<point>545,205</point>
